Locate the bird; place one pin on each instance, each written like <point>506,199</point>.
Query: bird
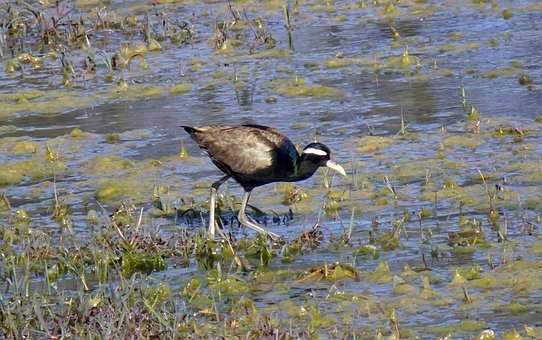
<point>255,155</point>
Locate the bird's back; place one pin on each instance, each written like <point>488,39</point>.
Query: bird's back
<point>252,154</point>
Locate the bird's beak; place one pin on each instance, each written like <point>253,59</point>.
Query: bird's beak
<point>332,165</point>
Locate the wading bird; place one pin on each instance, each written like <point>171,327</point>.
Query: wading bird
<point>254,155</point>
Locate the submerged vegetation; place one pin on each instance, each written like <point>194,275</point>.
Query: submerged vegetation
<point>434,234</point>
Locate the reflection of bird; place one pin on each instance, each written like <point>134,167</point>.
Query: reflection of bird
<point>255,155</point>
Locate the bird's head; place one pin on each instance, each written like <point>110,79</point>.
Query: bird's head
<point>320,155</point>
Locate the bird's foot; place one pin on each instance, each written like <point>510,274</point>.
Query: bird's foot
<point>255,226</point>
<point>247,222</point>
<point>275,238</point>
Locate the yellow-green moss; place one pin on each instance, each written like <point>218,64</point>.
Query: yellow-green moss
<point>536,248</point>
<point>108,164</point>
<point>298,88</point>
<point>369,144</point>
<point>513,308</point>
<point>33,169</point>
<point>77,133</point>
<point>404,289</point>
<point>135,92</point>
<point>465,141</point>
<point>141,262</point>
<point>23,147</point>
<point>338,62</point>
<point>462,326</point>
<point>458,48</point>
<point>512,335</point>
<point>21,96</point>
<point>506,14</point>
<point>501,72</point>
<point>44,102</point>
<point>180,88</point>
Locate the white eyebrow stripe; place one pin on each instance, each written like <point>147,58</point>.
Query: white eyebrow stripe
<point>315,151</point>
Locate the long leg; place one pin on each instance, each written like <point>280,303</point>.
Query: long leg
<point>243,219</point>
<point>212,204</point>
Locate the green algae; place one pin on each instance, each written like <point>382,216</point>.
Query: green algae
<point>381,274</point>
<point>21,96</point>
<point>297,87</point>
<point>110,190</point>
<point>51,102</point>
<point>534,332</point>
<point>470,142</point>
<point>367,250</point>
<point>333,272</point>
<point>5,129</point>
<point>456,35</point>
<point>226,284</point>
<point>137,92</point>
<point>77,133</point>
<point>293,310</point>
<point>458,48</point>
<point>141,262</point>
<point>501,72</point>
<point>17,146</point>
<point>180,88</point>
<point>535,177</point>
<point>506,14</point>
<point>391,240</point>
<point>525,79</point>
<point>108,164</point>
<point>427,292</point>
<point>333,202</point>
<point>261,251</point>
<point>486,282</point>
<point>536,248</point>
<point>291,193</point>
<point>307,241</point>
<point>317,319</point>
<point>471,272</point>
<point>404,289</point>
<point>34,170</point>
<point>512,335</point>
<point>413,169</point>
<point>468,237</point>
<point>524,167</point>
<point>461,326</point>
<point>340,62</point>
<point>270,54</point>
<point>156,295</point>
<point>512,308</point>
<point>458,279</point>
<point>403,61</point>
<point>112,138</point>
<point>371,144</point>
<point>526,172</point>
<point>273,53</point>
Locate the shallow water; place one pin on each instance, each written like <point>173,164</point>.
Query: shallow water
<point>352,50</point>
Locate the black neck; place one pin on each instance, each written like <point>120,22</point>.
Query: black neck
<point>305,168</point>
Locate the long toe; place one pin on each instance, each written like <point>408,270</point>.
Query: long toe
<point>276,238</point>
<point>244,220</point>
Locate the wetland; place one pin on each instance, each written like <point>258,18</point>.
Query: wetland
<point>434,108</point>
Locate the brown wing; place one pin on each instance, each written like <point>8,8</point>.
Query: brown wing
<point>247,149</point>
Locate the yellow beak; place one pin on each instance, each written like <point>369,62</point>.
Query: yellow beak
<point>332,165</point>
